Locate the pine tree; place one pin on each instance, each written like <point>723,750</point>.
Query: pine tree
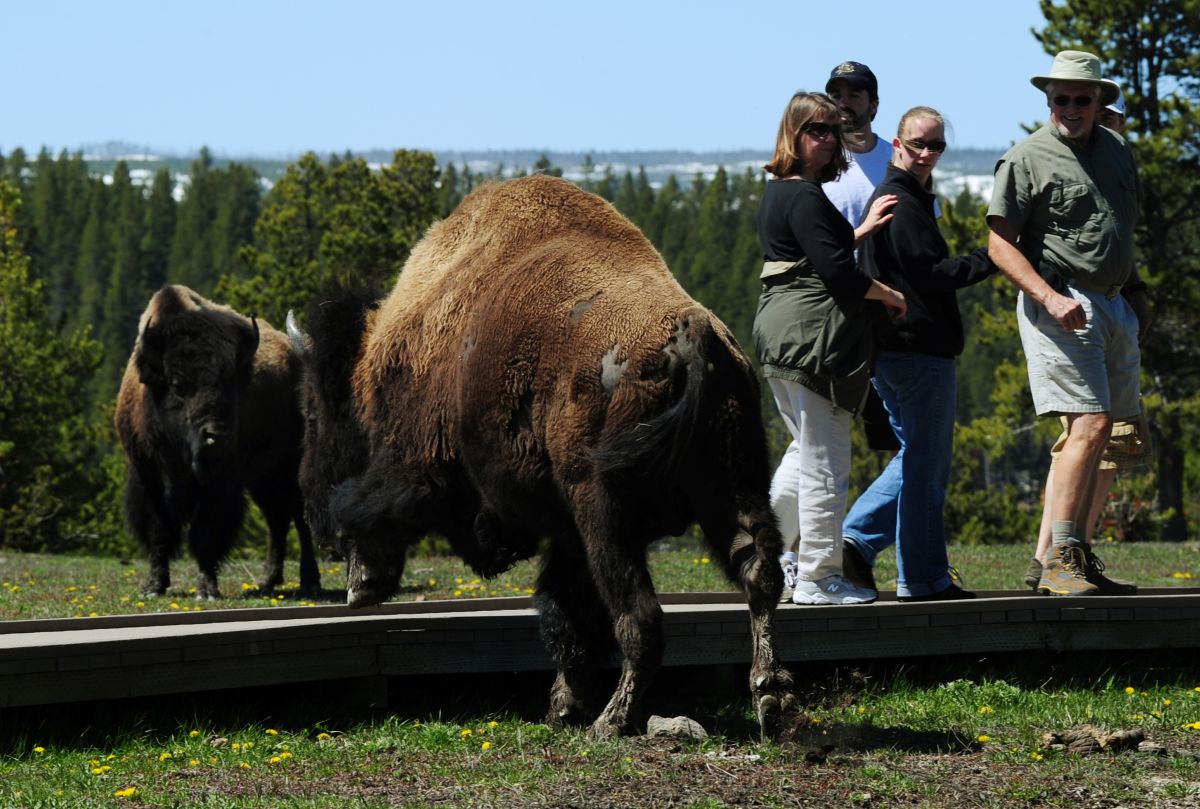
<point>127,289</point>
<point>49,469</point>
<point>158,230</point>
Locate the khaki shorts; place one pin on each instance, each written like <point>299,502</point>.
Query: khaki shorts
<point>1128,446</point>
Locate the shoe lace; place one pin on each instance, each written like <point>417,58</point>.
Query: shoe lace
<point>1092,560</point>
<point>1075,559</point>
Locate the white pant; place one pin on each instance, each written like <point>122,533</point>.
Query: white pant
<point>809,490</point>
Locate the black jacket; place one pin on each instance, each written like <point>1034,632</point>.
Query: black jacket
<point>910,255</point>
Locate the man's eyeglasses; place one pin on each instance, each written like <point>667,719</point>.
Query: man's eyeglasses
<point>931,146</point>
<point>821,131</point>
<point>1080,101</point>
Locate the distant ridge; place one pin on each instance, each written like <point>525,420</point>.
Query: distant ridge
<point>969,167</point>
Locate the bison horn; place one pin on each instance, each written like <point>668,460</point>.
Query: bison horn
<point>299,340</point>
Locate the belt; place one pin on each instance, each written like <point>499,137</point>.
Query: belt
<point>1109,291</point>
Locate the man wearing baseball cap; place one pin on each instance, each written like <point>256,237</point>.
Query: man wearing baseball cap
<point>1061,217</point>
<point>853,87</point>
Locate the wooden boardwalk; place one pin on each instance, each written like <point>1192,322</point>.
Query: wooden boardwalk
<point>84,659</point>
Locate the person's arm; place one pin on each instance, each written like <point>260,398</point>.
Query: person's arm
<point>876,217</point>
<point>1002,249</point>
<point>920,252</point>
<point>821,233</point>
<point>892,299</point>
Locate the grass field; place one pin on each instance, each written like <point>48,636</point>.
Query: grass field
<point>954,733</point>
<point>39,586</point>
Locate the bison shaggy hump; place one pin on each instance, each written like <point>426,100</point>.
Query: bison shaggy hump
<point>537,373</point>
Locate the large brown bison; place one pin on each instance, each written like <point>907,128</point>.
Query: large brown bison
<point>208,410</point>
<point>537,373</point>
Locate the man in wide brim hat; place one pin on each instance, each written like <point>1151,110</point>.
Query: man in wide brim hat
<point>1078,66</point>
<point>1061,220</point>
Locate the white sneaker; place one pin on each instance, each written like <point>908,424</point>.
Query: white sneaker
<point>833,589</point>
<point>789,581</point>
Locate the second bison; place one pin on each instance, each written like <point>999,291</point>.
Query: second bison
<point>207,410</point>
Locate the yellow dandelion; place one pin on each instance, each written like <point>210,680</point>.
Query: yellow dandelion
<point>285,754</point>
<point>243,765</point>
<point>194,734</point>
<point>1137,717</point>
<point>493,724</point>
<point>141,604</point>
<point>247,745</point>
<point>485,746</point>
<point>465,733</point>
<point>72,589</point>
<point>986,709</point>
<point>39,749</point>
<point>274,760</point>
<point>195,762</point>
<point>236,746</point>
<point>704,560</point>
<point>271,732</point>
<point>212,759</point>
<point>127,792</point>
<point>163,756</point>
<point>1166,702</point>
<point>1156,714</point>
<point>862,709</point>
<point>1129,690</point>
<point>458,592</point>
<point>174,605</point>
<point>1036,756</point>
<point>322,737</point>
<point>984,738</point>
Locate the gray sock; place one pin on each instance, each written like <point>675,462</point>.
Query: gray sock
<point>1063,531</point>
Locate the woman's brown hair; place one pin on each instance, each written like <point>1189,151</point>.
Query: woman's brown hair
<point>805,107</point>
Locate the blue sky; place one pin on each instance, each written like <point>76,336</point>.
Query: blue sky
<point>279,78</point>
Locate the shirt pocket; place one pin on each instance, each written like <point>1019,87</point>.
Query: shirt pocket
<point>1072,204</point>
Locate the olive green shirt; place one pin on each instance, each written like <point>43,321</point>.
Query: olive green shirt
<point>1074,205</point>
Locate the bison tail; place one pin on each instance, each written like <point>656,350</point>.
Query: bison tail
<point>663,445</point>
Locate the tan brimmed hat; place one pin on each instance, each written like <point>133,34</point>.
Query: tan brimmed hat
<point>1078,66</point>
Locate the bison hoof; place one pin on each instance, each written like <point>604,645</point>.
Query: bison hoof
<point>605,729</point>
<point>155,588</point>
<point>368,583</point>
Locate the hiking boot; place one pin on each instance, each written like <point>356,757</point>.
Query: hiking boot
<point>1107,586</point>
<point>1034,574</point>
<point>789,581</point>
<point>1064,572</point>
<point>833,589</point>
<point>951,593</point>
<point>855,567</point>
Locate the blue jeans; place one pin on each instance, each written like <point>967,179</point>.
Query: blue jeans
<point>904,505</point>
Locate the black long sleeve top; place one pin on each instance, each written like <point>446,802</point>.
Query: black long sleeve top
<point>796,220</point>
<point>910,255</point>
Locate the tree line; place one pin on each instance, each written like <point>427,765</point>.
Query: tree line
<point>82,255</point>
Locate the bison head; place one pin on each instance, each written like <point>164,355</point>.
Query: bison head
<point>335,446</point>
<point>196,364</point>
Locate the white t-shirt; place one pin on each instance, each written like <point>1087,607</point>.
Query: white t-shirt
<point>851,192</point>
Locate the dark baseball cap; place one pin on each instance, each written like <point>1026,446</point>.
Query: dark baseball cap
<point>857,75</point>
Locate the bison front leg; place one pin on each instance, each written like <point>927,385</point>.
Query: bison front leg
<point>617,563</point>
<point>156,530</point>
<point>750,546</point>
<point>214,528</point>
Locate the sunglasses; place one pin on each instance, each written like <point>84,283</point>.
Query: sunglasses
<point>931,146</point>
<point>821,131</point>
<point>1080,101</point>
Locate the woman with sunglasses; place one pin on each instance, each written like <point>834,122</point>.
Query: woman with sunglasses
<point>813,336</point>
<point>915,370</point>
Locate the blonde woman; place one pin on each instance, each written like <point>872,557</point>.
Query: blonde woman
<point>915,373</point>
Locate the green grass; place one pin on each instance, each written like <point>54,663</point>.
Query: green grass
<point>45,586</point>
<point>898,741</point>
